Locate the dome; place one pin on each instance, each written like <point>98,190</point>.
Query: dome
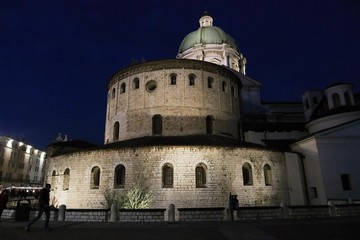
<point>206,34</point>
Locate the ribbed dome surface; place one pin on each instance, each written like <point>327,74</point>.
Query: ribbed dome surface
<point>207,35</point>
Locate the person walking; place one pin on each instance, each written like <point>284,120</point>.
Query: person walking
<point>4,197</point>
<point>44,200</point>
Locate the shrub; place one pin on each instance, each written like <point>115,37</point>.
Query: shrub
<point>136,197</point>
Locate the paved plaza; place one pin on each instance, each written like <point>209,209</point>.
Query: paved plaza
<point>337,228</point>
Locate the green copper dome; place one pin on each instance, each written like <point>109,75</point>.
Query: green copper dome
<point>206,34</point>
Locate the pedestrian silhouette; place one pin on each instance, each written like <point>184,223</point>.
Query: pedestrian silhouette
<point>44,200</point>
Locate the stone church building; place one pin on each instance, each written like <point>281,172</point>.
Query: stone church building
<point>194,129</point>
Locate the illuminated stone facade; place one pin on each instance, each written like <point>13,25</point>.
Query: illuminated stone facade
<point>191,97</point>
<point>222,167</point>
<point>192,157</point>
<point>176,126</point>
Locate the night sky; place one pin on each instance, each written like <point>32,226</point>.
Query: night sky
<point>56,56</point>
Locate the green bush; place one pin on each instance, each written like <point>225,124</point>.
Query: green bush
<point>136,197</point>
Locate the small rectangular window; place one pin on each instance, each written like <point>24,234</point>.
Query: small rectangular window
<point>346,183</point>
<point>210,82</point>
<point>173,77</point>
<point>313,192</point>
<point>224,86</point>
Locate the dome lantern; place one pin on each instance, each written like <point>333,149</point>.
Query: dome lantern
<point>206,21</point>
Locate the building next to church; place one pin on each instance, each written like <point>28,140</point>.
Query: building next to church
<point>20,163</point>
<point>194,129</point>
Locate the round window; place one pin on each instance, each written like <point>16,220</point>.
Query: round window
<point>151,85</point>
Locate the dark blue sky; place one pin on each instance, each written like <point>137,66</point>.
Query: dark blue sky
<point>57,56</point>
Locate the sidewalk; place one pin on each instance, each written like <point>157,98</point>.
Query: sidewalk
<point>345,228</point>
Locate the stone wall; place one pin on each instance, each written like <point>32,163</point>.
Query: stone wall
<point>283,211</point>
<point>201,214</point>
<point>87,215</point>
<point>253,213</point>
<point>141,215</point>
<point>10,213</point>
<point>347,210</point>
<point>144,165</point>
<point>309,211</point>
<point>183,107</point>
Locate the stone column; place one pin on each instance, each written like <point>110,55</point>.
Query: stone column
<point>113,212</point>
<point>171,213</point>
<point>332,211</point>
<point>62,211</point>
<point>284,210</point>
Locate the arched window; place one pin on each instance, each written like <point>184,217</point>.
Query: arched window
<point>307,104</point>
<point>346,182</point>
<point>136,83</point>
<point>268,175</point>
<point>336,100</point>
<point>119,176</point>
<point>113,94</point>
<point>173,79</point>
<point>325,105</point>
<point>315,100</point>
<point>200,175</point>
<point>210,82</point>
<point>247,174</point>
<point>209,124</point>
<point>347,98</point>
<point>66,180</point>
<point>95,178</point>
<point>116,132</point>
<point>157,124</point>
<point>224,86</point>
<point>122,88</point>
<point>192,79</point>
<point>167,176</point>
